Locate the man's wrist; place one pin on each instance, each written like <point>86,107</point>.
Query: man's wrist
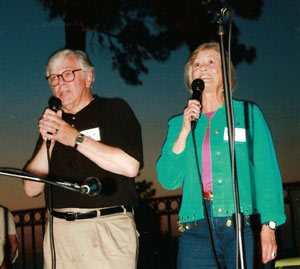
<point>78,140</point>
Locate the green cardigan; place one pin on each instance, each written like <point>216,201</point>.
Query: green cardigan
<point>259,180</point>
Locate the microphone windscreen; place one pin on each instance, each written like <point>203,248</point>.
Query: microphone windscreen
<point>197,87</point>
<point>54,103</point>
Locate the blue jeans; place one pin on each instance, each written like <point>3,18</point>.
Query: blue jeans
<point>194,250</point>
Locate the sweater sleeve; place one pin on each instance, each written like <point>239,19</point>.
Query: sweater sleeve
<point>169,166</point>
<point>268,184</point>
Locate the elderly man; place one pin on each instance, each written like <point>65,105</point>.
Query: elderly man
<point>90,137</point>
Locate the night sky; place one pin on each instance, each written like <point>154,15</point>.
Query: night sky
<point>27,40</point>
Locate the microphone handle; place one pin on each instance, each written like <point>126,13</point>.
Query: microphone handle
<point>194,121</point>
<point>55,105</point>
<point>48,143</point>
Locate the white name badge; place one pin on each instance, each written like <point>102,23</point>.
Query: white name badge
<point>240,134</point>
<point>93,133</point>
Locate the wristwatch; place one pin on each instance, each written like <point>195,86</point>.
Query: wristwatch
<point>271,224</point>
<point>78,140</point>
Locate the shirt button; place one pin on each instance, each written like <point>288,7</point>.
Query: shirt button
<point>216,131</point>
<point>220,210</point>
<point>220,181</point>
<point>73,118</point>
<point>218,153</point>
<point>72,125</point>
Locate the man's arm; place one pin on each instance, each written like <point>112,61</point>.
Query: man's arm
<point>112,159</point>
<point>39,167</point>
<point>109,158</point>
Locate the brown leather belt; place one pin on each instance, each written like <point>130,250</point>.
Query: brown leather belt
<point>71,216</point>
<point>208,195</point>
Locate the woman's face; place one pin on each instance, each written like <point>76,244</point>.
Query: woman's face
<point>207,66</point>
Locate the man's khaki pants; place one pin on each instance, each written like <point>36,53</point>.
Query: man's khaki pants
<point>106,242</point>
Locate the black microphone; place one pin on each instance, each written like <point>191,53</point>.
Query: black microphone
<point>91,186</point>
<point>54,104</point>
<point>197,87</point>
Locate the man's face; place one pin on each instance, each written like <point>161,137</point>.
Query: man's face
<point>76,94</point>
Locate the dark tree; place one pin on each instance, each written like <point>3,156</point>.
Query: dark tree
<point>135,31</point>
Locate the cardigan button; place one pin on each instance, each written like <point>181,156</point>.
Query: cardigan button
<point>220,210</point>
<point>216,131</point>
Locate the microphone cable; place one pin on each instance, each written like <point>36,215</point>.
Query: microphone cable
<point>54,104</point>
<point>50,198</point>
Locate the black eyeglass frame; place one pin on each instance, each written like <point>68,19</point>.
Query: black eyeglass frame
<point>61,75</point>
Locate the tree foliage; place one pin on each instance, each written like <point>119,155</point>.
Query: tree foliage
<point>135,31</point>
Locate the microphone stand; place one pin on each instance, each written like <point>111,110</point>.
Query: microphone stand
<point>231,135</point>
<point>17,173</point>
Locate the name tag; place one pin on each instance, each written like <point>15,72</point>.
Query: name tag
<point>240,134</point>
<point>93,133</point>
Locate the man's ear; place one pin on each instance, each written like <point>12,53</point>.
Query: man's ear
<point>88,79</point>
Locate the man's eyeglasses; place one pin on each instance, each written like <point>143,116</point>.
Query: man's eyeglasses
<point>68,76</point>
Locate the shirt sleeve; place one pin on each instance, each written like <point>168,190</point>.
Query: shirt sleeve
<point>169,166</point>
<point>11,229</point>
<point>268,183</point>
<point>127,131</point>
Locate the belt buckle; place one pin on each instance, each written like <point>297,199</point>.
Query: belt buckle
<point>210,196</point>
<point>70,216</point>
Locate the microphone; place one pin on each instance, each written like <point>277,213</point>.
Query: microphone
<point>54,104</point>
<point>197,87</point>
<point>91,186</point>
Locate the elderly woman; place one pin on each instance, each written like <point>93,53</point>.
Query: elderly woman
<point>259,180</point>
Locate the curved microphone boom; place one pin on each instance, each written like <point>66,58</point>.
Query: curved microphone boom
<point>54,104</point>
<point>197,87</point>
<point>225,12</point>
